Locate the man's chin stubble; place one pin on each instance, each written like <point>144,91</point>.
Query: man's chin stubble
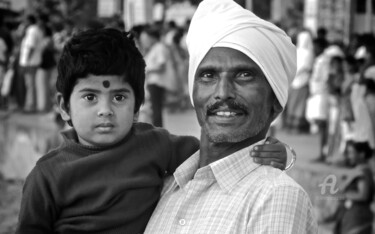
<point>238,136</point>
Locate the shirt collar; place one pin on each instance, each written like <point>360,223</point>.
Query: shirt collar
<point>186,171</point>
<point>231,169</point>
<point>227,171</point>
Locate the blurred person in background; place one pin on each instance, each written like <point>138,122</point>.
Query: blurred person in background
<point>335,80</point>
<point>30,60</point>
<point>354,215</point>
<point>183,39</point>
<point>160,71</point>
<point>362,98</point>
<point>170,31</point>
<point>145,111</point>
<point>321,42</point>
<point>60,37</point>
<point>177,98</point>
<point>6,47</point>
<point>369,81</point>
<point>299,92</point>
<point>182,61</point>
<point>45,69</point>
<point>318,103</point>
<point>345,118</point>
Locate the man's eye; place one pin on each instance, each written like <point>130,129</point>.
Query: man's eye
<point>206,76</point>
<point>246,75</point>
<point>89,97</point>
<point>119,98</point>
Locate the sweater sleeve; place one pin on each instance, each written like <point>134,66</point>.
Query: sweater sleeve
<point>37,213</point>
<point>182,147</point>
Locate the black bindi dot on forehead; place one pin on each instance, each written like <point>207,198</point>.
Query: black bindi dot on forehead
<point>106,84</point>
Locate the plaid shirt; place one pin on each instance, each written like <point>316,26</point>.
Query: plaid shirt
<point>232,195</point>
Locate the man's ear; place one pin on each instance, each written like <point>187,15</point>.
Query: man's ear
<point>63,108</point>
<point>276,109</point>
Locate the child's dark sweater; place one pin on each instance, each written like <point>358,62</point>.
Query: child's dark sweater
<point>81,189</point>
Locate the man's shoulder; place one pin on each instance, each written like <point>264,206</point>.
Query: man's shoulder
<point>273,178</point>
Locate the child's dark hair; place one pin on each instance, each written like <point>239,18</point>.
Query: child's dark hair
<point>101,52</point>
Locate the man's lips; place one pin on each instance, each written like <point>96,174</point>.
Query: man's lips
<point>225,113</point>
<point>229,108</point>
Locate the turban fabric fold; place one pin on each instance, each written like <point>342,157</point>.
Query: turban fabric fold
<point>224,23</point>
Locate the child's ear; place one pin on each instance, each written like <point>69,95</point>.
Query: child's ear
<point>63,108</point>
<point>136,116</point>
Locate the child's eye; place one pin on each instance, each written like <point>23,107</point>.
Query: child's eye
<point>119,98</point>
<point>90,97</point>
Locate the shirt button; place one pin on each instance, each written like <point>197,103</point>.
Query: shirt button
<point>182,222</point>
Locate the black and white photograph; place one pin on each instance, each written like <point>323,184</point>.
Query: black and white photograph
<point>187,116</point>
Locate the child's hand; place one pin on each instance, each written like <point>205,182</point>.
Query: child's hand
<point>272,153</point>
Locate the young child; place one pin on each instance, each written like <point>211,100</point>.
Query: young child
<point>107,175</point>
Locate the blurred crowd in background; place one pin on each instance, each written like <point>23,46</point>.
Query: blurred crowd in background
<point>333,93</point>
<point>29,54</point>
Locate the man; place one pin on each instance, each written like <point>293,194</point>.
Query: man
<point>160,73</point>
<point>240,70</point>
<point>30,59</point>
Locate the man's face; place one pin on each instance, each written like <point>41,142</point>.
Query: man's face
<point>101,109</point>
<point>232,98</point>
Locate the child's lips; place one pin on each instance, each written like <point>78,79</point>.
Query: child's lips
<point>105,127</point>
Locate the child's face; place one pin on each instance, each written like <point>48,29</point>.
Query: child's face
<point>101,109</point>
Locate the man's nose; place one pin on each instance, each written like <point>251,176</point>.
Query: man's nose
<point>224,89</point>
<point>105,109</point>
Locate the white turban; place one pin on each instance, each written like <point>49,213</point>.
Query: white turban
<point>224,23</point>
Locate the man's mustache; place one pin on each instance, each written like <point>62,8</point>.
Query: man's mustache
<point>230,104</point>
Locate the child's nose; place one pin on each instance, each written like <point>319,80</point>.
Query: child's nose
<point>105,110</point>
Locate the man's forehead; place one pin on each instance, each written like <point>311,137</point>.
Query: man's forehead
<point>225,58</point>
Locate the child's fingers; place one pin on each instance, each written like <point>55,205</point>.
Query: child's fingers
<point>269,148</point>
<point>267,161</point>
<point>263,154</point>
<point>278,165</point>
<point>264,161</point>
